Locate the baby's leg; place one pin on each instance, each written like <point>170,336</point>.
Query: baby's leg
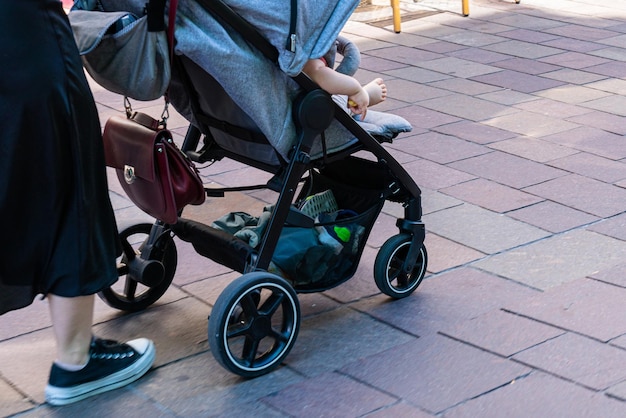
<point>377,91</point>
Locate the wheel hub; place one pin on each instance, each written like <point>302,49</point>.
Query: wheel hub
<point>260,327</point>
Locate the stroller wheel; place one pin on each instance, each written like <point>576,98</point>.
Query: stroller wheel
<point>254,324</point>
<point>128,293</point>
<point>388,273</point>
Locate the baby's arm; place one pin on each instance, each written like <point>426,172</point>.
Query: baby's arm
<point>337,83</point>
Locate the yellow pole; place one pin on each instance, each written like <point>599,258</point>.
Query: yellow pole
<point>465,7</point>
<point>395,6</point>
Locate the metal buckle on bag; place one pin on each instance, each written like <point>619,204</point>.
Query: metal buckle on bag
<point>129,174</point>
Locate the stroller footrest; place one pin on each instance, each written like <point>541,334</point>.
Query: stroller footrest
<point>215,244</point>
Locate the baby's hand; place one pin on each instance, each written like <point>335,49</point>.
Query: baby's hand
<point>357,103</point>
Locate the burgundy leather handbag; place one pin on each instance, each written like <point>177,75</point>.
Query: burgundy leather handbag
<point>153,171</point>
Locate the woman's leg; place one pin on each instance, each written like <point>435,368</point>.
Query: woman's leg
<point>71,320</point>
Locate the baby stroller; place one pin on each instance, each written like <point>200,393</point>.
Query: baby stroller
<point>328,201</point>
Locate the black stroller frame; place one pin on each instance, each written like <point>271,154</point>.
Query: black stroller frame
<point>255,320</point>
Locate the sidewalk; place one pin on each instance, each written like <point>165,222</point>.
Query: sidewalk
<point>519,146</point>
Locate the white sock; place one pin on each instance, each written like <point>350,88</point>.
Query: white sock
<point>70,367</point>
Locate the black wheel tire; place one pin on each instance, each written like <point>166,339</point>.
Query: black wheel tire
<point>388,274</point>
<point>128,294</point>
<point>254,324</point>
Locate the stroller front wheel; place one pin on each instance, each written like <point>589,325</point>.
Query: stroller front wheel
<point>389,275</point>
<point>254,324</point>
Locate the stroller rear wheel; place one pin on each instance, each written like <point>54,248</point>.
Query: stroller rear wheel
<point>389,274</point>
<point>129,293</point>
<point>254,324</point>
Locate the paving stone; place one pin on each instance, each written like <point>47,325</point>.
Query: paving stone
<point>464,85</point>
<point>552,216</point>
<point>575,60</point>
<point>11,401</point>
<point>404,54</point>
<point>450,372</point>
<point>526,65</point>
<point>552,108</point>
<point>618,391</point>
<point>571,44</point>
<point>610,69</point>
<point>490,195</point>
<point>619,342</point>
<point>613,53</point>
<point>523,49</point>
<point>472,38</point>
<point>593,140</point>
<point>198,386</point>
<point>556,260</point>
<point>611,85</point>
<point>582,193</point>
<point>421,118</point>
<point>602,120</point>
<point>457,67</point>
<point>128,402</point>
<point>481,229</point>
<point>585,33</point>
<point>572,94</point>
<point>529,35</point>
<point>582,306</point>
<point>531,124</point>
<point>435,176</point>
<point>441,148</point>
<point>590,165</point>
<point>517,81</point>
<point>507,97</point>
<point>333,339</point>
<point>378,64</point>
<point>551,397</point>
<point>444,254</point>
<point>582,360</point>
<point>33,317</point>
<point>442,301</point>
<point>502,333</point>
<point>504,168</point>
<point>475,132</point>
<point>480,55</point>
<point>572,76</point>
<point>613,104</point>
<point>441,47</point>
<point>418,75</point>
<point>329,395</point>
<point>401,409</point>
<point>533,149</point>
<point>412,92</point>
<point>466,107</point>
<point>29,374</point>
<point>519,20</point>
<point>615,275</point>
<point>433,201</point>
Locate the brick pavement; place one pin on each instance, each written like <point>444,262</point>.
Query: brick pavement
<point>519,148</point>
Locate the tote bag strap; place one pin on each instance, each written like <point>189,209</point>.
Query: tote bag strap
<point>171,25</point>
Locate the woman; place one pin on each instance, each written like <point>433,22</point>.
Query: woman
<point>59,230</point>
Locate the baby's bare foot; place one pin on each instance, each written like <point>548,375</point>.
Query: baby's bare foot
<point>377,91</point>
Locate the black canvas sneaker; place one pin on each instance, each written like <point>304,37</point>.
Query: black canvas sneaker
<point>111,365</point>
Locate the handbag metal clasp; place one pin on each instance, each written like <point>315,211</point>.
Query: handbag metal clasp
<point>129,174</point>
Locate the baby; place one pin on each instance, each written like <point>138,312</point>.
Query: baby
<point>338,82</point>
